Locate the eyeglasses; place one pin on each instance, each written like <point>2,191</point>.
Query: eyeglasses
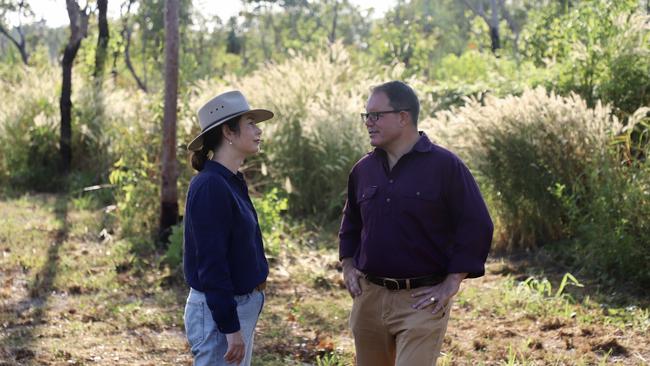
<point>374,116</point>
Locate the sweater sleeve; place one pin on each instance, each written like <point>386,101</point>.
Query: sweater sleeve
<point>211,211</point>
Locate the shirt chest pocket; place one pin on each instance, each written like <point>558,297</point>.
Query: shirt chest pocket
<point>423,204</point>
<point>366,199</point>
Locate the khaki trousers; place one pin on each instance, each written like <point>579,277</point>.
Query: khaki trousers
<point>389,332</point>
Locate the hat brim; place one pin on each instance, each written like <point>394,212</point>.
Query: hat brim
<point>259,115</point>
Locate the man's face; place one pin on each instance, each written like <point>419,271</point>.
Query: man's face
<point>387,128</point>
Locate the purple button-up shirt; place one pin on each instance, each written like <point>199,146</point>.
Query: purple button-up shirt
<point>425,216</point>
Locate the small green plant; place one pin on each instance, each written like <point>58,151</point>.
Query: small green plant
<point>271,208</point>
<point>174,254</point>
<point>329,359</point>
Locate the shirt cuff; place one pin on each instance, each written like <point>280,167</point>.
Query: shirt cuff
<point>347,248</point>
<point>473,267</point>
<point>223,308</point>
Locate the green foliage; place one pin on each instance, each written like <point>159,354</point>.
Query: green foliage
<point>135,129</point>
<point>418,34</point>
<point>611,214</point>
<point>29,142</point>
<point>551,175</point>
<point>270,209</point>
<point>475,74</point>
<point>329,359</point>
<point>174,254</point>
<point>598,49</point>
<point>29,131</point>
<point>525,148</point>
<point>316,135</point>
<point>136,172</point>
<point>545,288</point>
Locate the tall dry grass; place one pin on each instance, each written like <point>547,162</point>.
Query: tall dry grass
<point>316,135</point>
<point>525,149</point>
<point>555,171</point>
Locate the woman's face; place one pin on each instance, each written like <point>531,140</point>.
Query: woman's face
<point>249,138</point>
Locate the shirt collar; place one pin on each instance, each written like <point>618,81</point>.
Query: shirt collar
<point>422,145</point>
<point>214,167</point>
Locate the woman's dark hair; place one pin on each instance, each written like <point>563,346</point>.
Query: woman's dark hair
<point>401,97</point>
<point>211,141</point>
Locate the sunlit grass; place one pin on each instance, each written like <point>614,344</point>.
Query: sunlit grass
<point>101,303</point>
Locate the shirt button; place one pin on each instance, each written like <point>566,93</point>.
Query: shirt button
<point>390,181</point>
<point>387,199</point>
<point>417,193</point>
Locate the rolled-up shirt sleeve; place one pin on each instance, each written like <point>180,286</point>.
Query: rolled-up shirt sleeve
<point>350,231</point>
<point>212,217</point>
<point>473,228</point>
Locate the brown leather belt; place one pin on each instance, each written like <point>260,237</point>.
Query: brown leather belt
<point>395,284</point>
<point>261,286</point>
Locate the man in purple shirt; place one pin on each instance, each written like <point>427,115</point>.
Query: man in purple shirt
<point>414,226</point>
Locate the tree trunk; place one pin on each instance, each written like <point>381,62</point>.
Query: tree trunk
<point>336,13</point>
<point>102,40</point>
<point>169,192</point>
<point>492,22</point>
<point>514,27</point>
<point>65,104</point>
<point>78,30</point>
<point>494,26</point>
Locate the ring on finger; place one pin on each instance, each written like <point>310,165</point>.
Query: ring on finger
<point>432,299</point>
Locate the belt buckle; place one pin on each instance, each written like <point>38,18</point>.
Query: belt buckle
<point>386,281</point>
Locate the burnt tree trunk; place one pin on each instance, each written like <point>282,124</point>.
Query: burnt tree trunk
<point>102,40</point>
<point>78,30</point>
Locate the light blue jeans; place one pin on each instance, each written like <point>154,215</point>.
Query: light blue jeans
<point>208,344</point>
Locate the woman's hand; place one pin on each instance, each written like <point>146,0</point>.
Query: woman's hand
<point>236,348</point>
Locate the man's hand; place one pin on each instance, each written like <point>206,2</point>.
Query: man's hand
<point>351,277</point>
<point>439,294</point>
<point>236,348</point>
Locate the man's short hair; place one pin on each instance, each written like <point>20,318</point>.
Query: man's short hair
<point>401,96</point>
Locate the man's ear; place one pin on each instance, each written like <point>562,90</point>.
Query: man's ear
<point>404,119</point>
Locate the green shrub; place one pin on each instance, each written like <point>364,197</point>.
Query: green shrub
<point>524,149</point>
<point>30,132</point>
<point>136,173</point>
<point>174,255</point>
<point>551,170</point>
<point>135,129</point>
<point>611,212</point>
<point>29,135</point>
<point>316,135</point>
<point>599,49</point>
<point>270,209</point>
<point>476,74</point>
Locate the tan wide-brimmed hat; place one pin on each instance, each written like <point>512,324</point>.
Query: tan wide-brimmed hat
<point>222,108</point>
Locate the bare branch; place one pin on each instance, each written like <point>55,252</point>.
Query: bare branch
<point>477,10</point>
<point>514,27</point>
<point>126,35</point>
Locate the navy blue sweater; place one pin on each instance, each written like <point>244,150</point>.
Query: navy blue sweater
<point>224,254</point>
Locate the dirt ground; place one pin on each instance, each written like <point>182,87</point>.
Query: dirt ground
<point>70,295</point>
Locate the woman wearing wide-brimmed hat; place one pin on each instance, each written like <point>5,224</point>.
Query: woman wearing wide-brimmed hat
<point>224,260</point>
